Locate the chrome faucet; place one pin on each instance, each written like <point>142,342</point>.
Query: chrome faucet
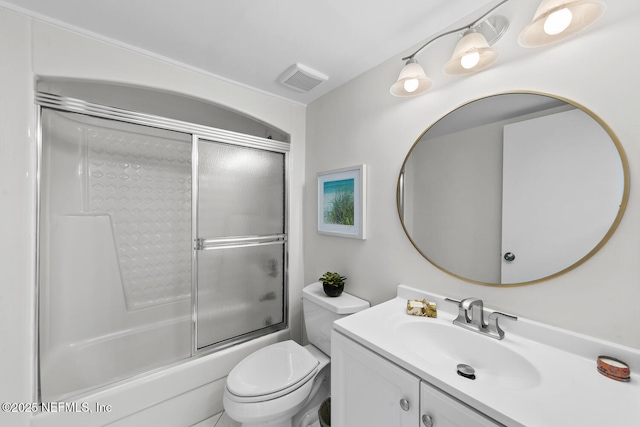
<point>475,307</point>
<point>471,316</point>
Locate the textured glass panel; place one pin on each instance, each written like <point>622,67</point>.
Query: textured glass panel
<point>143,181</point>
<point>241,191</point>
<point>240,290</point>
<point>115,236</point>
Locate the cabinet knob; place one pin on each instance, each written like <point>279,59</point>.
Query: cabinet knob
<point>404,404</point>
<point>427,420</point>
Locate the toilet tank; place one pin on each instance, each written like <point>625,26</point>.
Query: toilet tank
<point>320,311</point>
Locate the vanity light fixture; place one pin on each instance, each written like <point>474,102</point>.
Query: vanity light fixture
<point>558,19</point>
<point>553,20</point>
<point>412,80</point>
<point>472,53</point>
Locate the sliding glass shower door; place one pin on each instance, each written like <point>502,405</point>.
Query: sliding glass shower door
<point>240,251</point>
<point>157,240</point>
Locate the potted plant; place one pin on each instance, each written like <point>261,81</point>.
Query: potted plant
<point>333,283</point>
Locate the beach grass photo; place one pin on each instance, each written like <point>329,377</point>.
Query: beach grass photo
<point>340,202</point>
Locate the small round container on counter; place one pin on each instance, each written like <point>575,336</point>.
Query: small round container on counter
<point>613,368</point>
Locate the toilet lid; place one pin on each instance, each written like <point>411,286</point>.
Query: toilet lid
<point>271,369</point>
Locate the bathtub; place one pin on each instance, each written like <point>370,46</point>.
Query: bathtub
<point>83,366</point>
<point>181,394</point>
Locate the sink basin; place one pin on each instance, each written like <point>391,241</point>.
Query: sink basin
<point>445,345</point>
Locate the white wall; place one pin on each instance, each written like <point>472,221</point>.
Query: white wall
<point>17,212</point>
<point>30,48</point>
<point>361,123</point>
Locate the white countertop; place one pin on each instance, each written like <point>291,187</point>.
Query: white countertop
<point>567,390</point>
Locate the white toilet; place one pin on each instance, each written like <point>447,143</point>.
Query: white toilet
<point>283,384</point>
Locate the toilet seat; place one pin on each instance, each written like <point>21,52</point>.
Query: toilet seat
<point>272,372</point>
<point>266,410</point>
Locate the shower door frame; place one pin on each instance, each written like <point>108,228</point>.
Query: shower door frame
<point>198,132</point>
<point>200,244</point>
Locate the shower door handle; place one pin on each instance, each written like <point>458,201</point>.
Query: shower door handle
<point>238,242</point>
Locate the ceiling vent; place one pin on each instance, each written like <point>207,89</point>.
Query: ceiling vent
<point>302,78</point>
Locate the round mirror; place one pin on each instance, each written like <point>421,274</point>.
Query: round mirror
<point>513,188</point>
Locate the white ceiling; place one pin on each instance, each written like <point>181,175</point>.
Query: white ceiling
<point>253,42</point>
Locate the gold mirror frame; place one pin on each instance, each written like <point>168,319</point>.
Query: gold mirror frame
<point>606,237</point>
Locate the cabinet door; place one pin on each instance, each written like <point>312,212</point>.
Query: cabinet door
<point>438,409</point>
<point>368,390</point>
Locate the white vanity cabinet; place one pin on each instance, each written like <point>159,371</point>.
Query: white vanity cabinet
<point>367,390</point>
<point>438,409</point>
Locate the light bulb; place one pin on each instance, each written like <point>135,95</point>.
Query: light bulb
<point>410,85</point>
<point>470,60</point>
<point>558,21</point>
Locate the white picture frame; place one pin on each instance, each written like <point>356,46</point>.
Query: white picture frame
<point>342,202</point>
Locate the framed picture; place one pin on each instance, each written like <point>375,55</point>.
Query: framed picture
<point>342,202</point>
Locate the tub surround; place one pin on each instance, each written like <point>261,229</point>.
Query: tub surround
<point>185,393</point>
<point>538,375</point>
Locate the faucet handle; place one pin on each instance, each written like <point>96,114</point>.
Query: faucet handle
<point>462,313</point>
<point>458,302</point>
<point>494,328</point>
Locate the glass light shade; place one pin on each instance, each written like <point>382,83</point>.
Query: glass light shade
<point>412,81</point>
<point>472,53</point>
<point>541,31</point>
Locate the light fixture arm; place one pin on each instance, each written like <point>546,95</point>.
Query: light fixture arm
<point>457,30</point>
